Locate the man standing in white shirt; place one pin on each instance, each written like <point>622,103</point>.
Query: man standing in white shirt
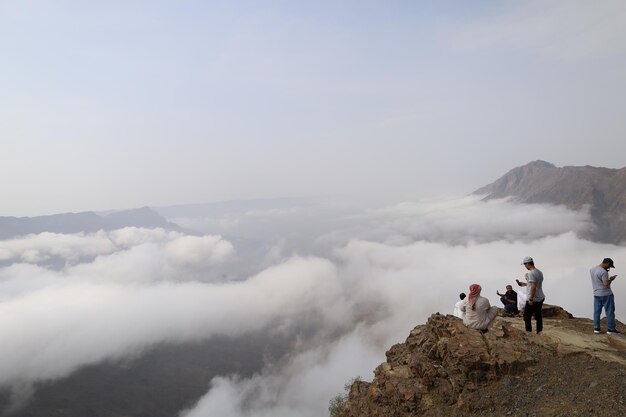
<point>534,295</point>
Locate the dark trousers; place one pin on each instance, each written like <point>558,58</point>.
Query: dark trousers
<point>508,306</point>
<point>529,311</point>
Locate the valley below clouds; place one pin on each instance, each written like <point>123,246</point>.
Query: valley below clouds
<point>339,283</point>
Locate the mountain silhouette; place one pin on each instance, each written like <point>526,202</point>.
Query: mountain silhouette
<point>86,222</point>
<point>600,190</point>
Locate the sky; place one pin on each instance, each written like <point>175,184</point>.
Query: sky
<point>112,105</point>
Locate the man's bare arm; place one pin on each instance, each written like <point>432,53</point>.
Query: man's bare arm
<point>607,282</point>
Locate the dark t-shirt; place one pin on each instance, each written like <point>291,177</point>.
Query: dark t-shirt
<point>511,295</point>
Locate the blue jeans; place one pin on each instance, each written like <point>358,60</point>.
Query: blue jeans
<point>608,303</point>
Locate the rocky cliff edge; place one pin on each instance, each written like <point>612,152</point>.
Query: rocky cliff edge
<point>445,369</point>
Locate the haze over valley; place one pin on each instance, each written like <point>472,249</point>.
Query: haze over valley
<point>233,208</point>
<point>261,316</point>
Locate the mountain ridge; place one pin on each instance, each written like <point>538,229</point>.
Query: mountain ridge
<point>600,190</point>
<point>86,222</point>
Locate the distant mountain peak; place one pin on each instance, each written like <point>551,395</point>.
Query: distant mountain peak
<point>603,190</point>
<point>540,163</point>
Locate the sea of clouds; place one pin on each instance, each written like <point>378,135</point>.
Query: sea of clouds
<point>359,279</point>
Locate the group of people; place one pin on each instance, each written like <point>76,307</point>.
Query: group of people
<point>478,313</point>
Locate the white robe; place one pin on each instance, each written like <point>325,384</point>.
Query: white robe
<point>457,309</point>
<point>481,317</point>
<point>521,300</point>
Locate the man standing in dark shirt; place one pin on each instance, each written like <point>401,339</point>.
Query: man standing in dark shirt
<point>509,299</point>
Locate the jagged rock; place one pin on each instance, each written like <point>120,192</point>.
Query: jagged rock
<point>555,312</point>
<point>442,367</point>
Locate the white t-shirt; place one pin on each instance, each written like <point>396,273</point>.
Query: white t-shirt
<point>535,276</point>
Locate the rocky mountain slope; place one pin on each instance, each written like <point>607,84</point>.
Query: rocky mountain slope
<point>601,190</point>
<point>446,369</point>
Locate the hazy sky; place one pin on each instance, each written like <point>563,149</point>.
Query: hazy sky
<point>122,104</point>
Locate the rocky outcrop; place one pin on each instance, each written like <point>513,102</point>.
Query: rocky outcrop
<point>445,369</point>
<point>601,190</point>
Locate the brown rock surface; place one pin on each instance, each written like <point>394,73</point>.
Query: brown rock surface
<point>446,369</point>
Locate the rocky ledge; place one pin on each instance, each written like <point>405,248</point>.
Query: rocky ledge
<point>445,369</point>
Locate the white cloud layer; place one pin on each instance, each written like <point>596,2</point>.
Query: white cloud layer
<point>383,271</point>
<point>96,321</point>
<point>464,220</point>
<point>38,248</point>
<point>410,282</point>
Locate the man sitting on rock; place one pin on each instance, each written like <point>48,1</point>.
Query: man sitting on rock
<point>478,311</point>
<point>509,299</point>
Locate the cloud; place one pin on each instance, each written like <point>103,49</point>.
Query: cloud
<point>460,221</point>
<point>42,246</point>
<point>411,282</point>
<point>129,255</point>
<point>36,248</point>
<point>300,388</point>
<point>97,321</point>
<point>407,271</point>
<point>357,281</point>
<point>194,250</point>
<point>452,220</point>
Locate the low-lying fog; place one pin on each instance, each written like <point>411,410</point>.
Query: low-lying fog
<point>360,278</point>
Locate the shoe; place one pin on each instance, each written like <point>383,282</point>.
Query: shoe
<point>596,331</point>
<point>614,331</point>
